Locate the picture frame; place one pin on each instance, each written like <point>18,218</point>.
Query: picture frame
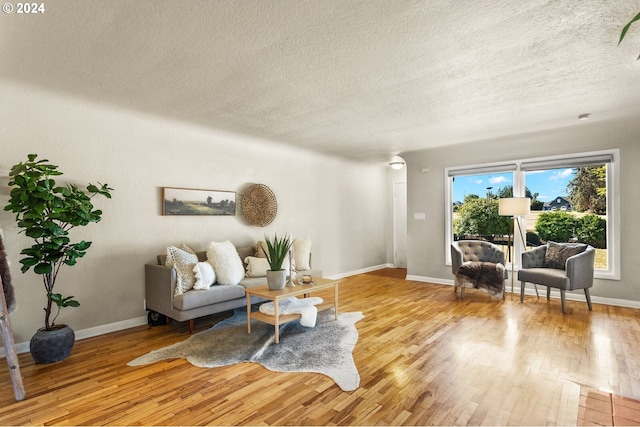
<point>194,201</point>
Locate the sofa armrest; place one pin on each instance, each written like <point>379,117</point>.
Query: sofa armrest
<point>159,288</point>
<point>580,269</point>
<point>534,258</point>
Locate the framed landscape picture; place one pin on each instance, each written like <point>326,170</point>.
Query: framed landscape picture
<point>191,201</point>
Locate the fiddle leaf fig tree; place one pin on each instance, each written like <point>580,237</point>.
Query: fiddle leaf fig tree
<point>46,213</point>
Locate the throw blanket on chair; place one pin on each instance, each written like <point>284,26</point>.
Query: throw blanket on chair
<point>6,278</point>
<point>305,307</point>
<point>481,275</point>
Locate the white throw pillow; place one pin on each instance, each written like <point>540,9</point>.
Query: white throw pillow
<point>302,253</point>
<point>262,249</point>
<point>226,262</point>
<point>256,267</point>
<point>205,276</point>
<point>183,262</point>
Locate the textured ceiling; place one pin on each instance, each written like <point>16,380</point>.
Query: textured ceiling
<point>358,79</point>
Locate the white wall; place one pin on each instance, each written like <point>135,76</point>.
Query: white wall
<point>426,192</point>
<point>341,205</point>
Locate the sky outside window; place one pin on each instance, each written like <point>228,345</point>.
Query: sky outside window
<point>548,184</point>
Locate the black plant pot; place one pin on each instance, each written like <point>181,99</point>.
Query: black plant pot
<point>52,346</point>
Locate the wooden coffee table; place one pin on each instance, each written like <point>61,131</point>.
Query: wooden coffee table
<point>278,319</point>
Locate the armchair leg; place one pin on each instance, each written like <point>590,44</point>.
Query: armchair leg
<point>563,300</point>
<point>522,291</point>
<point>536,288</point>
<point>548,292</point>
<point>588,296</point>
<point>461,292</point>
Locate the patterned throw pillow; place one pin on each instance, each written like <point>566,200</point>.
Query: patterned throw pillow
<point>183,262</point>
<point>557,254</point>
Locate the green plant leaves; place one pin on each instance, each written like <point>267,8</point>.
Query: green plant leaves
<point>61,301</point>
<point>46,213</point>
<point>626,28</point>
<point>277,250</point>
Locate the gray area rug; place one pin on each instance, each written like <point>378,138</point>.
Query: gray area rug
<point>325,349</point>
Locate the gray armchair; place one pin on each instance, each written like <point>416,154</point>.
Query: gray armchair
<point>565,266</point>
<point>478,264</point>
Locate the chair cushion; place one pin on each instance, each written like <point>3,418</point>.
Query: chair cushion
<point>553,277</point>
<point>557,253</point>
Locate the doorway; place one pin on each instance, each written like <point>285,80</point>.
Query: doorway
<point>400,224</point>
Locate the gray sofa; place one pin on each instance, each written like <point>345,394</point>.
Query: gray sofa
<point>160,287</point>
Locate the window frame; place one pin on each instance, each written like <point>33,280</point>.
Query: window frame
<point>551,162</point>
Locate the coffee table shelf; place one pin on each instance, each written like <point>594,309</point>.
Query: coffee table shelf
<point>275,296</point>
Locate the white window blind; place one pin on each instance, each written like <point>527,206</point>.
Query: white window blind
<point>482,170</point>
<point>569,162</point>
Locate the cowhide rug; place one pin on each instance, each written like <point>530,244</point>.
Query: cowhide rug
<point>324,349</point>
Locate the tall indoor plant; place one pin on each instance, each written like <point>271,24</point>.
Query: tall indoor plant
<point>276,253</point>
<point>46,213</point>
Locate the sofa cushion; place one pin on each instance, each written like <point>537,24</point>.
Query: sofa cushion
<point>205,276</point>
<point>302,253</point>
<point>253,282</point>
<point>199,298</point>
<point>183,262</point>
<point>557,254</point>
<point>226,262</point>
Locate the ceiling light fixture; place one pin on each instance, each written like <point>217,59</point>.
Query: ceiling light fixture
<point>584,116</point>
<point>397,163</point>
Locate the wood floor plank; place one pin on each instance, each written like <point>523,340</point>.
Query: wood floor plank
<point>425,357</point>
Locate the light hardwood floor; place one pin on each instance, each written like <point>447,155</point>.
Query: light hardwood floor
<point>425,357</point>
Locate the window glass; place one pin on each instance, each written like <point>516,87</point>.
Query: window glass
<point>572,200</point>
<point>571,206</point>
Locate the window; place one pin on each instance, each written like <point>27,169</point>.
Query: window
<point>578,192</point>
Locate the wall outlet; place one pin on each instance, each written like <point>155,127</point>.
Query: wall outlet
<point>419,216</point>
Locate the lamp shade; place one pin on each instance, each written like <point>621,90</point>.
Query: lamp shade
<point>514,206</point>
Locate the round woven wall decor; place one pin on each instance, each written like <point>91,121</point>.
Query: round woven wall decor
<point>259,205</point>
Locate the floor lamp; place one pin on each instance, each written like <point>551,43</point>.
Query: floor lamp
<point>513,207</point>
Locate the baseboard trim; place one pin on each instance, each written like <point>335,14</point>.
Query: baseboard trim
<point>23,347</point>
<point>529,290</point>
<point>361,271</point>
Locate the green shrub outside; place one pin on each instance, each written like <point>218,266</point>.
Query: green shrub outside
<point>556,226</point>
<point>480,217</point>
<point>592,230</point>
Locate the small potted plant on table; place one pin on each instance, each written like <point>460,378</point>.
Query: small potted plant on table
<point>276,253</point>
